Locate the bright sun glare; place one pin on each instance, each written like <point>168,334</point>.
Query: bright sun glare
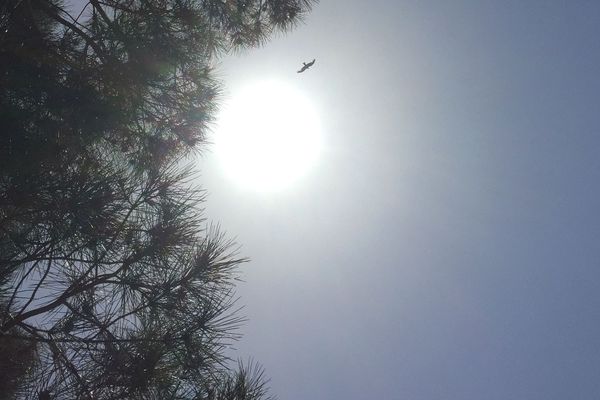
<point>268,136</point>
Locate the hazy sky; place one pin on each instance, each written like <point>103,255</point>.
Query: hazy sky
<point>446,244</point>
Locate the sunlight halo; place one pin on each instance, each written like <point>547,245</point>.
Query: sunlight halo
<point>268,136</point>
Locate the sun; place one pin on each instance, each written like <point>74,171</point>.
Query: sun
<point>268,136</point>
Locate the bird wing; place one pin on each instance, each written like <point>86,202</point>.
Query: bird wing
<point>306,66</point>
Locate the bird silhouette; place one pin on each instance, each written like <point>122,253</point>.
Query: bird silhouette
<point>306,66</point>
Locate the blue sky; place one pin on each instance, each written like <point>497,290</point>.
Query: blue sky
<point>445,245</point>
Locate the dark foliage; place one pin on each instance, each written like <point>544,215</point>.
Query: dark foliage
<point>112,286</point>
<point>17,360</point>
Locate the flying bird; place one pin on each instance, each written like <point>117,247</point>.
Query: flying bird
<point>306,66</point>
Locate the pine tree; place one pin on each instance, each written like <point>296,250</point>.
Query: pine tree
<point>112,285</point>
